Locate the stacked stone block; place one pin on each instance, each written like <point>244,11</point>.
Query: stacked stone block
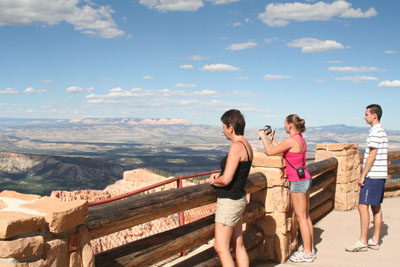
<point>43,231</point>
<point>348,172</point>
<point>279,224</point>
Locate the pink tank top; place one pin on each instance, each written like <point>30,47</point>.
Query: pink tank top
<point>297,160</point>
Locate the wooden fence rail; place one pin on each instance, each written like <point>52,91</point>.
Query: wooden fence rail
<point>161,246</point>
<point>134,210</point>
<point>323,187</point>
<point>115,216</point>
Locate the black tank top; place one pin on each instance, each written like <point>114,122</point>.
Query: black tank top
<point>235,189</point>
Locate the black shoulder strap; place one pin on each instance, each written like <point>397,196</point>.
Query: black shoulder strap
<point>248,157</point>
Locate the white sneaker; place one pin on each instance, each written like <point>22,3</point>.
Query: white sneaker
<point>372,244</point>
<point>313,254</point>
<point>358,246</point>
<point>302,257</point>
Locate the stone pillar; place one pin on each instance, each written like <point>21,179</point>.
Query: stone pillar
<point>43,231</point>
<point>348,172</point>
<point>279,224</point>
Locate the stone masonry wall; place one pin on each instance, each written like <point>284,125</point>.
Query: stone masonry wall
<point>348,172</point>
<point>43,231</point>
<point>279,224</point>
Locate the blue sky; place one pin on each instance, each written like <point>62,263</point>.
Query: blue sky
<point>194,59</point>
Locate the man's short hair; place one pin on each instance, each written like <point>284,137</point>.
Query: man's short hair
<point>375,109</point>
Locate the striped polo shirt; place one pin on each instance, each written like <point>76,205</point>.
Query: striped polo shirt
<point>377,139</point>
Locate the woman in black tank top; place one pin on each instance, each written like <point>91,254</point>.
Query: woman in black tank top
<point>231,196</point>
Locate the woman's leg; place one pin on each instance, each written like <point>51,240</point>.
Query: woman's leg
<point>310,225</point>
<point>242,259</point>
<point>223,235</point>
<point>299,201</point>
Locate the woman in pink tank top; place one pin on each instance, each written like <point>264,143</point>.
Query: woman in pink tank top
<point>294,150</point>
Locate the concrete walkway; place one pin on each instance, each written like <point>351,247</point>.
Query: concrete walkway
<point>342,228</point>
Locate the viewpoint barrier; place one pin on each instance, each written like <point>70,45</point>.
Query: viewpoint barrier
<point>43,231</point>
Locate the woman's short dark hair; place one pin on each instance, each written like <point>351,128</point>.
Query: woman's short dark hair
<point>375,109</point>
<point>299,123</point>
<point>235,118</point>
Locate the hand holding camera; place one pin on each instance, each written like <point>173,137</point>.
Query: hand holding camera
<point>268,132</point>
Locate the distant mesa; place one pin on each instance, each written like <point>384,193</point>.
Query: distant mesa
<point>134,121</point>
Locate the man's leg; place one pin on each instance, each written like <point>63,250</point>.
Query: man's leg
<point>378,218</point>
<point>364,222</point>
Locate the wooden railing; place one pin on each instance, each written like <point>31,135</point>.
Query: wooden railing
<point>115,216</point>
<point>393,184</point>
<point>111,217</point>
<point>322,193</point>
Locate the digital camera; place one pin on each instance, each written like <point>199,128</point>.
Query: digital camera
<point>267,129</point>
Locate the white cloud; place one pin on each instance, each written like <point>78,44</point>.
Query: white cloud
<point>77,89</point>
<point>355,69</point>
<point>280,14</point>
<point>184,85</point>
<point>173,5</point>
<point>357,13</point>
<point>357,79</point>
<point>390,84</point>
<point>334,62</point>
<point>242,78</point>
<point>310,45</point>
<point>9,91</point>
<point>205,93</point>
<point>186,66</point>
<point>31,90</point>
<point>241,46</point>
<point>236,24</point>
<point>118,92</point>
<point>243,94</point>
<point>270,40</point>
<point>318,80</point>
<point>220,2</point>
<point>46,81</point>
<point>96,101</point>
<point>85,18</point>
<point>270,77</point>
<point>219,68</point>
<point>148,78</point>
<point>390,52</point>
<point>198,57</point>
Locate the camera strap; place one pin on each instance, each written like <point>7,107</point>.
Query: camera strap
<point>304,157</point>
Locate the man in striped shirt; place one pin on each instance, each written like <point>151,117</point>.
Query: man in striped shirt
<point>372,180</point>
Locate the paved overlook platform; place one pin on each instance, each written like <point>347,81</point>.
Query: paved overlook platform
<point>342,228</point>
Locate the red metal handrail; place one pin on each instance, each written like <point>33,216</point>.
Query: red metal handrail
<point>141,190</point>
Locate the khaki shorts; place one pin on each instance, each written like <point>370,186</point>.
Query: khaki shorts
<point>229,211</point>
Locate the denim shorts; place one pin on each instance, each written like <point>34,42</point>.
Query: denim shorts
<point>372,192</point>
<point>300,186</point>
